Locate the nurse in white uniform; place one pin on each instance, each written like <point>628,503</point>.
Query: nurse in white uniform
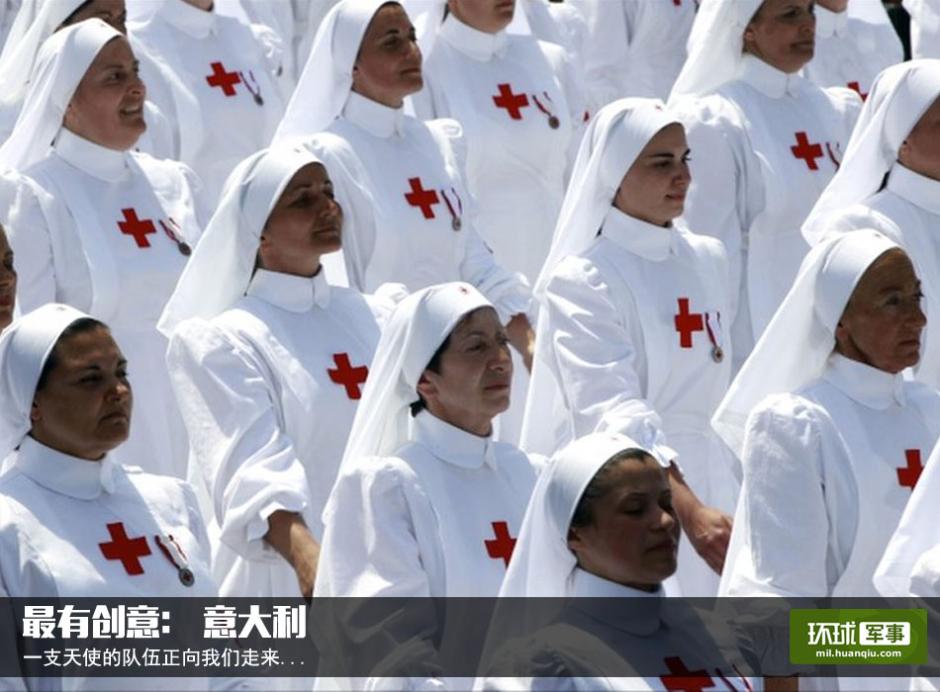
<point>74,522</point>
<point>224,92</point>
<point>520,104</point>
<point>890,181</point>
<point>98,226</point>
<point>630,334</point>
<point>832,437</point>
<point>269,363</point>
<point>601,531</point>
<point>766,141</point>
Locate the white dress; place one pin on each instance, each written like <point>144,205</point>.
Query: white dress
<point>907,210</point>
<point>269,390</point>
<point>632,329</point>
<point>222,84</point>
<point>850,52</point>
<point>522,111</point>
<point>763,149</point>
<point>828,471</point>
<point>109,232</point>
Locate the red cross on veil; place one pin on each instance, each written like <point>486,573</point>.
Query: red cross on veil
<point>806,151</point>
<point>226,81</point>
<point>513,103</point>
<point>909,475</point>
<point>502,546</point>
<point>139,229</point>
<point>348,376</point>
<point>681,679</point>
<point>687,323</point>
<point>424,199</point>
<point>127,550</point>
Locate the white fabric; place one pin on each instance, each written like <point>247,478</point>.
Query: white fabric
<point>825,478</point>
<point>8,12</point>
<point>925,27</point>
<point>24,348</point>
<point>805,323</point>
<point>71,232</point>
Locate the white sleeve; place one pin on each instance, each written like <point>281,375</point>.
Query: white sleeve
<point>225,394</point>
<point>594,355</point>
<point>609,31</point>
<point>508,291</point>
<point>28,234</point>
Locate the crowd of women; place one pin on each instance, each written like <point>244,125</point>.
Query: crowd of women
<point>450,298</point>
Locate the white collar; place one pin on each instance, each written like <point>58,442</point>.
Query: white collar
<point>917,189</point>
<point>869,386</point>
<point>829,23</point>
<point>65,474</point>
<point>647,240</point>
<point>109,165</point>
<point>768,80</point>
<point>290,292</point>
<point>475,44</point>
<point>189,19</point>
<point>641,617</point>
<point>374,117</point>
<point>451,444</point>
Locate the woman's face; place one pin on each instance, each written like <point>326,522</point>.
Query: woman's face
<point>883,321</point>
<point>655,187</point>
<point>388,66</point>
<point>108,105</point>
<point>305,224</point>
<point>473,382</point>
<point>488,16</point>
<point>111,12</point>
<point>782,33</point>
<point>84,406</point>
<point>633,537</point>
<point>920,151</point>
<point>7,282</point>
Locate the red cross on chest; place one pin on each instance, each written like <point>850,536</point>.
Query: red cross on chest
<point>857,88</point>
<point>681,679</point>
<point>421,198</point>
<point>502,546</point>
<point>687,323</point>
<point>226,81</point>
<point>513,103</point>
<point>348,376</point>
<point>139,229</point>
<point>909,475</point>
<point>127,550</point>
<point>806,151</point>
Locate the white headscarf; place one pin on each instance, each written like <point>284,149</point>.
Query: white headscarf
<point>220,269</point>
<point>716,46</point>
<point>793,350</point>
<point>613,140</point>
<point>62,62</point>
<point>326,80</point>
<point>24,348</point>
<point>898,98</point>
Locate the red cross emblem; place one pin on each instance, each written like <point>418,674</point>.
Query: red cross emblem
<point>226,81</point>
<point>419,197</point>
<point>677,3</point>
<point>127,550</point>
<point>135,227</point>
<point>687,323</point>
<point>502,546</point>
<point>681,679</point>
<point>908,475</point>
<point>513,103</point>
<point>857,88</point>
<point>806,151</point>
<point>348,376</point>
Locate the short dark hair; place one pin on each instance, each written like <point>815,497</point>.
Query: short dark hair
<point>79,326</point>
<point>600,485</point>
<point>434,365</point>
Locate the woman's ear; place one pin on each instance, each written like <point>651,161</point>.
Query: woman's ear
<point>574,540</point>
<point>426,387</point>
<point>35,414</point>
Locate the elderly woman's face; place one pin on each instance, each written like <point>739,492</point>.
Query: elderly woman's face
<point>655,187</point>
<point>388,66</point>
<point>111,12</point>
<point>108,105</point>
<point>782,33</point>
<point>7,282</point>
<point>84,406</point>
<point>633,537</point>
<point>488,16</point>
<point>475,373</point>
<point>883,321</point>
<point>305,224</point>
<point>920,150</point>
